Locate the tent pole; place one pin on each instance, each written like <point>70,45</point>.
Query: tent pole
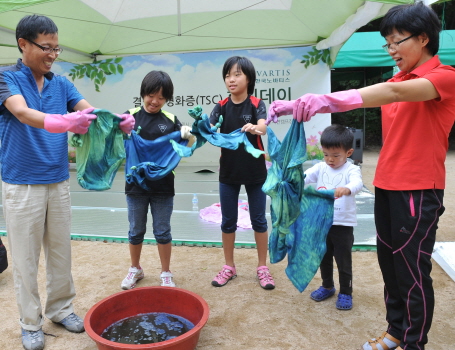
<point>364,110</point>
<point>178,18</point>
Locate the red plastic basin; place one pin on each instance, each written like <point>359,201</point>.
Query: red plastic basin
<point>129,303</point>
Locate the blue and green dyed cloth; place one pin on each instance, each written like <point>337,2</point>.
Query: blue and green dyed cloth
<point>204,132</point>
<point>151,159</point>
<point>301,218</point>
<point>100,151</point>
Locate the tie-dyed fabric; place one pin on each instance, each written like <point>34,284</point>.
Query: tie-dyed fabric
<point>99,152</point>
<point>151,159</point>
<point>301,218</point>
<point>204,132</point>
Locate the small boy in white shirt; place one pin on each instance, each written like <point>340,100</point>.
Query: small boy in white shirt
<point>346,179</point>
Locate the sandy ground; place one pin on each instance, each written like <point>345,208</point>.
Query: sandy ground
<point>243,315</point>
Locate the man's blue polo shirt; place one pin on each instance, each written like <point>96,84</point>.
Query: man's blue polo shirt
<point>30,155</point>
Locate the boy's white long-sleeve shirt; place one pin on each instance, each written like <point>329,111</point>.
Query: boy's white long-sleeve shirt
<point>349,176</point>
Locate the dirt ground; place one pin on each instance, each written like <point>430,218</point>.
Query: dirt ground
<point>243,315</point>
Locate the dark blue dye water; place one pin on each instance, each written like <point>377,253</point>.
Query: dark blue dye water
<point>147,328</point>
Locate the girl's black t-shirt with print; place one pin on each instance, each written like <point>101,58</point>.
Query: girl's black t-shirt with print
<point>238,166</point>
<point>153,126</point>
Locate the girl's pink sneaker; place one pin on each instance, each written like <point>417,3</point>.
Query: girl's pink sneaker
<point>265,278</point>
<point>224,276</point>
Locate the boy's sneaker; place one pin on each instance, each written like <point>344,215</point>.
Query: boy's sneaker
<point>224,276</point>
<point>166,279</point>
<point>73,323</point>
<point>33,340</point>
<point>134,274</point>
<point>265,278</point>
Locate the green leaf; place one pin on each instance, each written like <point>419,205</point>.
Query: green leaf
<point>104,67</point>
<point>93,74</point>
<point>109,60</point>
<point>103,80</point>
<point>120,69</point>
<point>100,74</point>
<point>306,56</point>
<point>118,59</point>
<point>112,68</point>
<point>89,68</point>
<point>97,81</point>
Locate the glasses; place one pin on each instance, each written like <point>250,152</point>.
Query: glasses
<point>393,46</point>
<point>45,49</point>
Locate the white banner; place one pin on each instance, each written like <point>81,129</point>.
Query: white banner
<point>197,79</point>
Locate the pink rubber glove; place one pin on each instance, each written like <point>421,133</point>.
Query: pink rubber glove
<point>278,108</point>
<point>310,104</point>
<point>127,124</point>
<point>77,122</point>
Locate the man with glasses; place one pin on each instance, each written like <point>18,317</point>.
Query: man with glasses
<point>46,49</point>
<point>34,119</point>
<point>418,111</point>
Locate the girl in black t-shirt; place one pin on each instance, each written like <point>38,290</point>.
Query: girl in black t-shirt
<point>238,167</point>
<point>156,89</point>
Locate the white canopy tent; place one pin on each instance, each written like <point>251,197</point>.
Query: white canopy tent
<point>100,29</point>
